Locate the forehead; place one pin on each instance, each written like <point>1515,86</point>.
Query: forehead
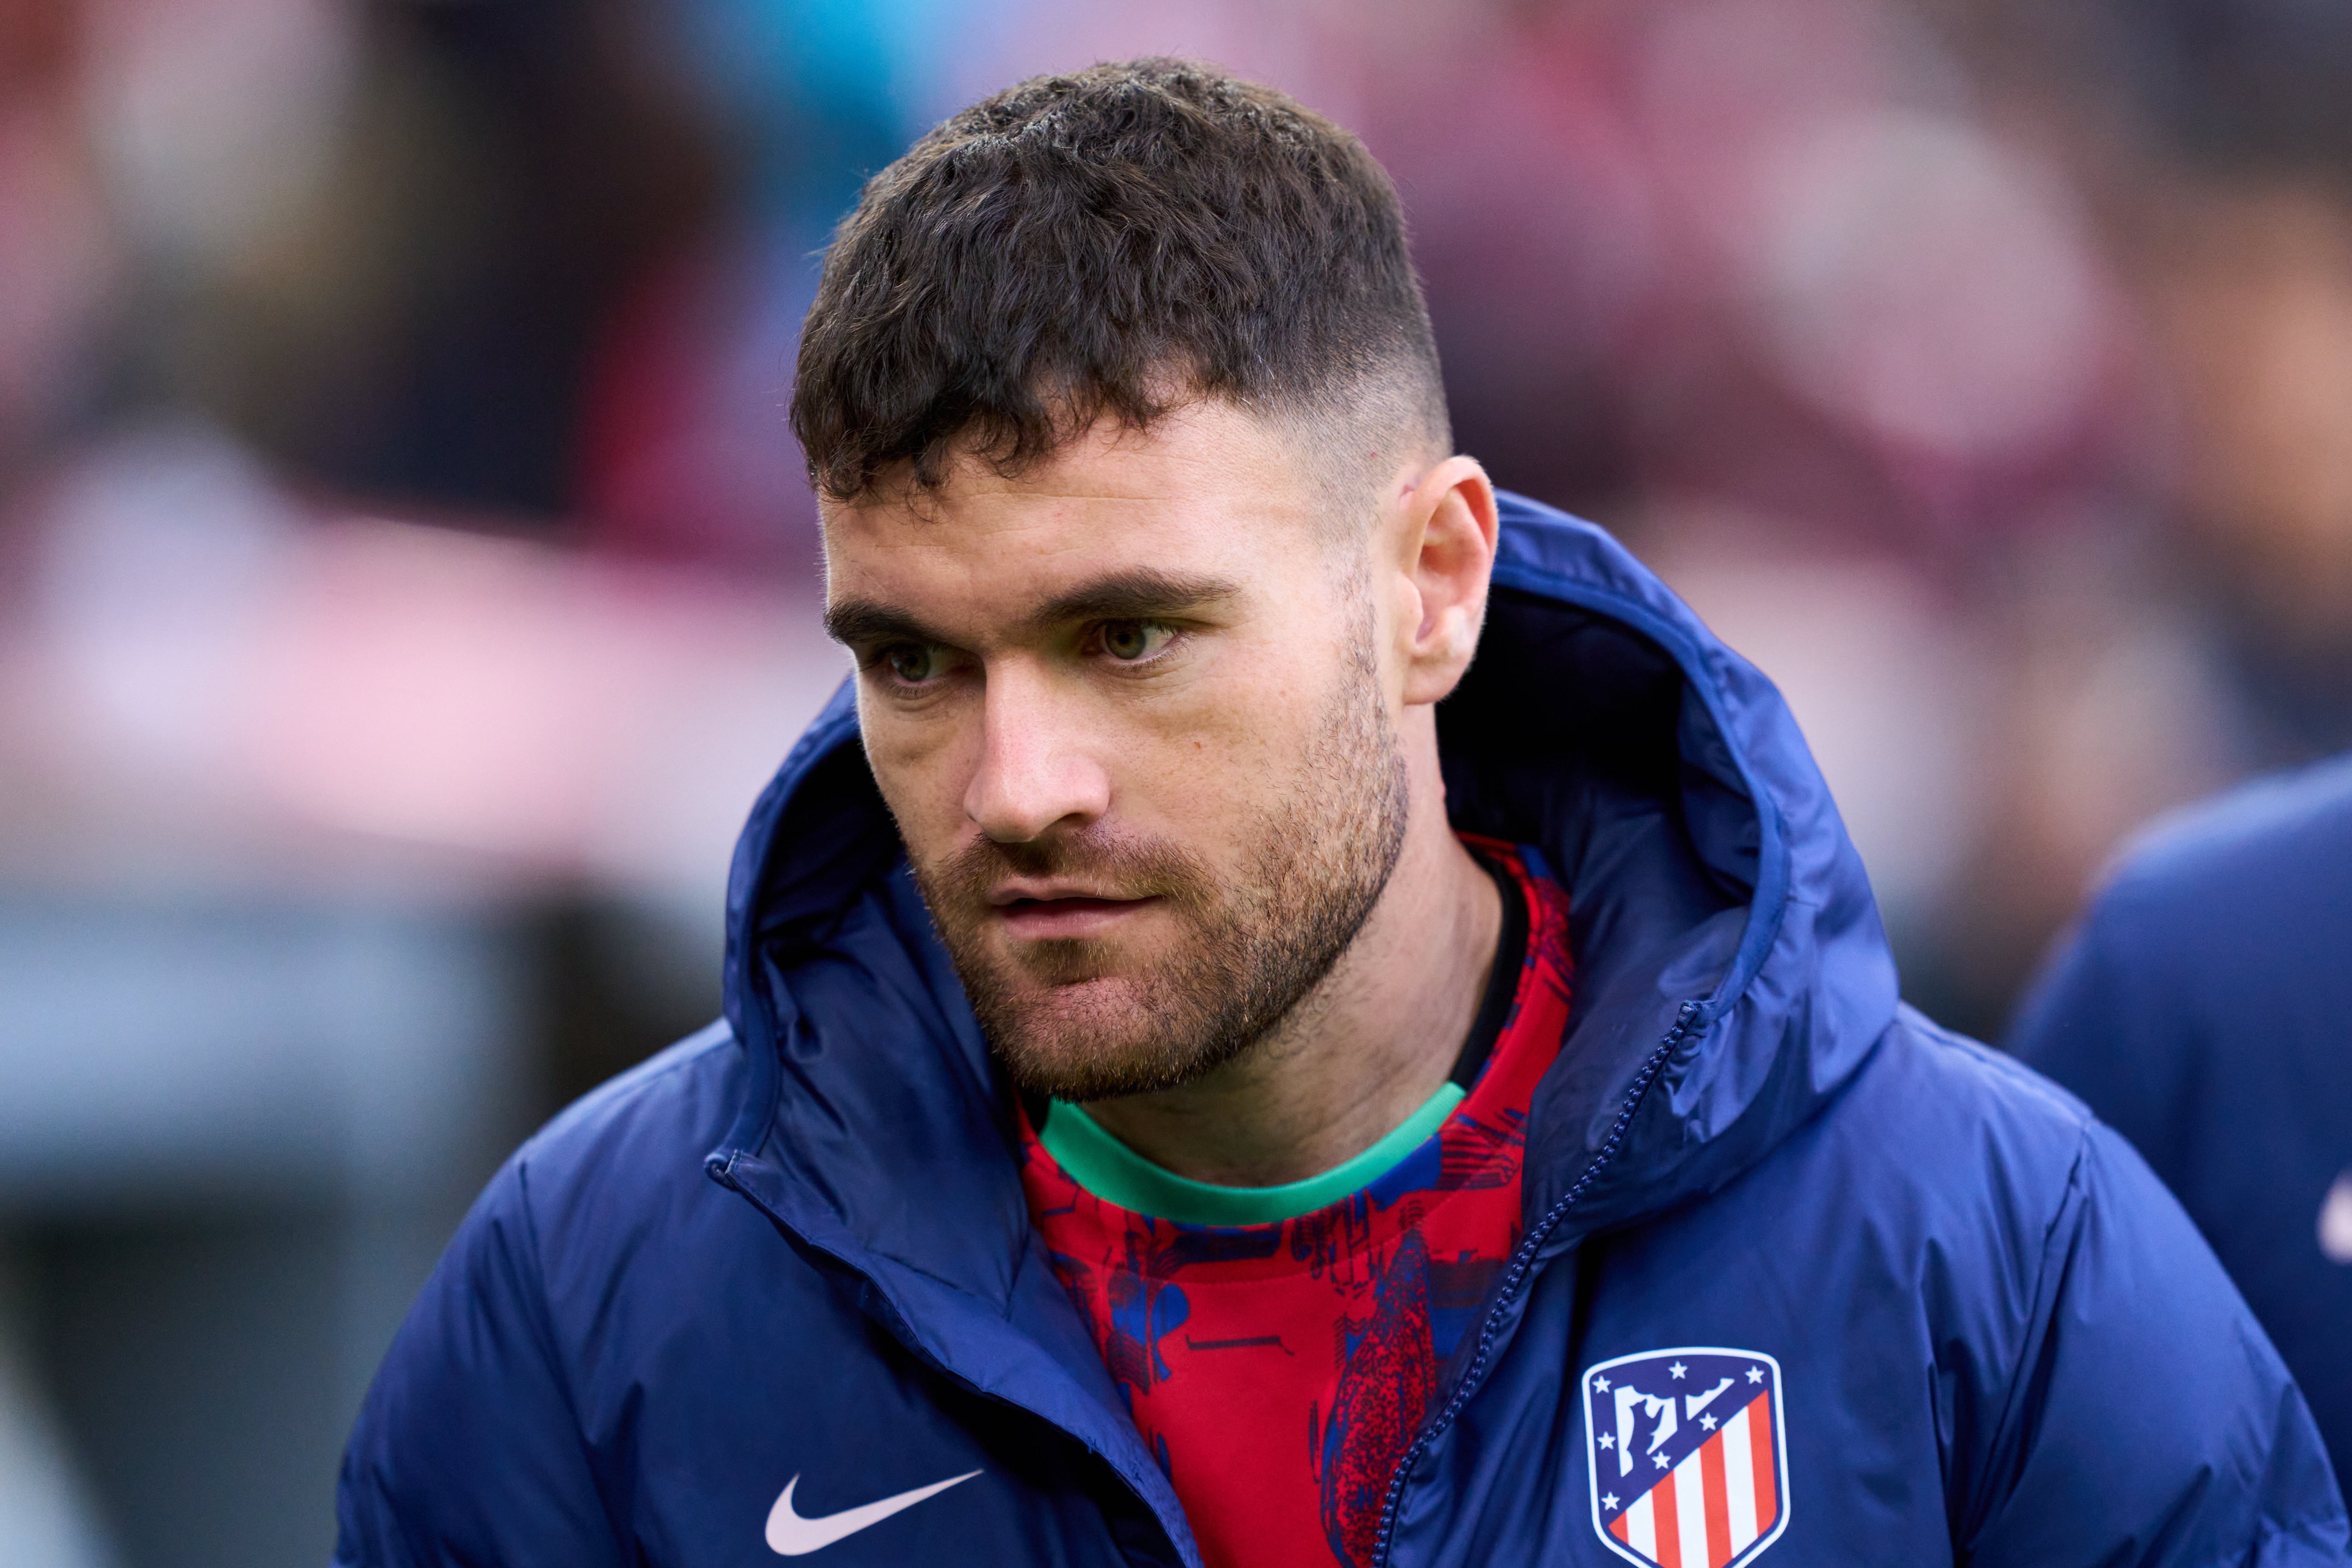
<point>1207,487</point>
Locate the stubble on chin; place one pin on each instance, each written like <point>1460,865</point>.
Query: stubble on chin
<point>1093,1018</point>
<point>1228,963</point>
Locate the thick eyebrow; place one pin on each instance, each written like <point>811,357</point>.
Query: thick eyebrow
<point>854,621</point>
<point>1134,596</point>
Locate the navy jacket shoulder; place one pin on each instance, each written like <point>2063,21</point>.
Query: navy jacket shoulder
<point>786,1271</point>
<point>2200,1008</point>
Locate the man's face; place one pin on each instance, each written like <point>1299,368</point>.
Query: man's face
<point>1129,711</point>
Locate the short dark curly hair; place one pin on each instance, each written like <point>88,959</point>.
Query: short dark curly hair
<point>1114,243</point>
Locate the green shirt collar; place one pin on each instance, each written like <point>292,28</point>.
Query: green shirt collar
<point>1116,1173</point>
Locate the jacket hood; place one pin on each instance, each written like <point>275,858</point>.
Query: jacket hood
<point>1731,970</point>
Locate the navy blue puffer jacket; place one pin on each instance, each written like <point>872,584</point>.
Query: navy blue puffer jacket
<point>792,1254</point>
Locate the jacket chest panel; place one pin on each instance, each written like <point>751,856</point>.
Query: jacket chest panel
<point>1740,1421</point>
<point>750,1430</point>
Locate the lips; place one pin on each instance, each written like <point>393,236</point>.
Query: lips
<point>1076,915</point>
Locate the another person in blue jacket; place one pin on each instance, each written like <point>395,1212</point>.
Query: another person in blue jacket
<point>1212,1075</point>
<point>2204,1009</point>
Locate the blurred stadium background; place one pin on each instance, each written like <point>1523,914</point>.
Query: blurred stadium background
<point>406,576</point>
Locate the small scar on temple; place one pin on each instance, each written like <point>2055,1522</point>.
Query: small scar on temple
<point>1142,594</point>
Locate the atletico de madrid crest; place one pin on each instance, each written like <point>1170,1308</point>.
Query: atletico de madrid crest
<point>1688,1459</point>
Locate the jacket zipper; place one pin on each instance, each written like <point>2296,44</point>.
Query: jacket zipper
<point>1521,1266</point>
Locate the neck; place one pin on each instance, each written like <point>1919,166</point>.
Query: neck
<point>1364,1049</point>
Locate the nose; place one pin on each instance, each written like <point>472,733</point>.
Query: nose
<point>1035,769</point>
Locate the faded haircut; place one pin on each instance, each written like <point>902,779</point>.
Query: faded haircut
<point>1115,243</point>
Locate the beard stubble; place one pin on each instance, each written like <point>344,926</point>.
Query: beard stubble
<point>1085,1020</point>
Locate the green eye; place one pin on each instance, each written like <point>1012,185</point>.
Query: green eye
<point>1128,641</point>
<point>913,663</point>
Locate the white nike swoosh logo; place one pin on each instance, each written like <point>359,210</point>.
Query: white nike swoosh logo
<point>790,1535</point>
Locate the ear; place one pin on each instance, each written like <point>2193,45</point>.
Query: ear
<point>1447,553</point>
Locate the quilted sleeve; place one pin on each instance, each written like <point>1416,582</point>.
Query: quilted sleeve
<point>2148,1420</point>
<point>468,1451</point>
<point>2109,1020</point>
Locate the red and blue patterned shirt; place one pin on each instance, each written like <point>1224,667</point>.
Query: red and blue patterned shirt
<point>1279,1371</point>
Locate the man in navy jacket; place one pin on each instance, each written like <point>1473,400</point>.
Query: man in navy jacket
<point>1186,1096</point>
<point>2204,1009</point>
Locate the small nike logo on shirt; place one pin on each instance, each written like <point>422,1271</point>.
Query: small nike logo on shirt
<point>790,1535</point>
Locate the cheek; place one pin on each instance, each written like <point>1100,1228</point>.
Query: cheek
<point>1233,743</point>
<point>923,765</point>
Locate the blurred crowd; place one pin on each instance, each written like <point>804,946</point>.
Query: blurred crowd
<point>400,537</point>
